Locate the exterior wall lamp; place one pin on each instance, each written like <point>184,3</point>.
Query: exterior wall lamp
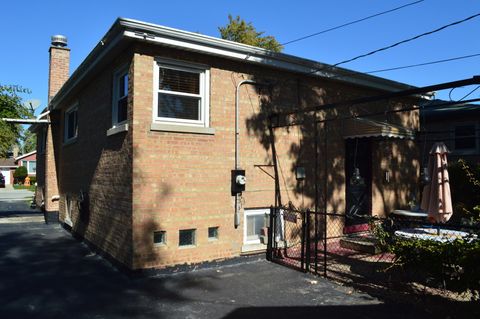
<point>300,173</point>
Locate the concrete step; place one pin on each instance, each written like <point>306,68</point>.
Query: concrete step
<point>365,244</point>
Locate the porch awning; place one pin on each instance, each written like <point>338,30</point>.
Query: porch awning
<point>362,127</point>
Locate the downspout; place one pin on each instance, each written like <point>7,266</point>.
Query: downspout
<point>237,149</point>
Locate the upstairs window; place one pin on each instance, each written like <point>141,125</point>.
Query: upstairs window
<point>181,95</point>
<point>465,137</point>
<point>71,124</point>
<point>120,96</point>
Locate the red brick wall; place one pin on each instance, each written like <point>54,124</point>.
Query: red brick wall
<point>182,181</point>
<point>58,72</point>
<point>100,166</point>
<point>144,180</point>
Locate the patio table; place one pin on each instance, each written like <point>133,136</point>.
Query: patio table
<point>435,234</point>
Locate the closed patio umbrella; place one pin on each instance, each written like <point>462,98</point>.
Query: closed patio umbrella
<point>436,198</point>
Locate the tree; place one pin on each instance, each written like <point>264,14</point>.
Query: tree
<point>244,32</point>
<point>20,174</point>
<point>10,107</point>
<point>29,141</point>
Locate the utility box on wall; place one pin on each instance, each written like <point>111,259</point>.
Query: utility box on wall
<point>238,181</point>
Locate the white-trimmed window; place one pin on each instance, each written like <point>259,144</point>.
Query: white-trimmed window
<point>71,124</point>
<point>181,93</point>
<point>32,167</point>
<point>255,220</point>
<point>465,137</point>
<point>120,96</point>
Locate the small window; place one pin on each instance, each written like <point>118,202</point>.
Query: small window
<point>255,220</point>
<point>181,95</point>
<point>465,137</point>
<point>212,233</point>
<point>71,124</point>
<point>120,96</point>
<point>68,210</point>
<point>32,167</point>
<point>160,237</point>
<point>186,237</point>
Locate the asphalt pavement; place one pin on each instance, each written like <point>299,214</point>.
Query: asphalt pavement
<point>46,273</point>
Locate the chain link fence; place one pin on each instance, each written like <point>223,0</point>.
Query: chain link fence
<point>399,258</point>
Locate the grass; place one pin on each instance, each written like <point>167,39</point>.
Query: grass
<point>30,188</point>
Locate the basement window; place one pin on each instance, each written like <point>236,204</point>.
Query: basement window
<point>160,237</point>
<point>120,96</point>
<point>181,94</point>
<point>186,237</point>
<point>71,124</point>
<point>212,233</point>
<point>255,220</point>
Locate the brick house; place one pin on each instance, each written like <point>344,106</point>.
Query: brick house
<point>8,165</point>
<point>7,168</point>
<point>29,161</point>
<point>139,153</point>
<point>457,125</point>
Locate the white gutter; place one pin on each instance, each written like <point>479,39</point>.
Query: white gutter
<point>128,29</point>
<point>25,121</point>
<point>248,54</point>
<point>43,114</point>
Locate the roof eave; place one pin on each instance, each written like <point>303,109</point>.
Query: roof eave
<point>126,30</point>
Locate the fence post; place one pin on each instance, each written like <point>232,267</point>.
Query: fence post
<point>302,252</point>
<point>270,235</point>
<point>307,240</point>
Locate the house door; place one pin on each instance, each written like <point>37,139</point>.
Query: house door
<point>358,153</point>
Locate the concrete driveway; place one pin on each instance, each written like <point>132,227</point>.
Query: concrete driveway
<point>14,206</point>
<point>45,273</point>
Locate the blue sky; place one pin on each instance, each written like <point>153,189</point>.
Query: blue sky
<point>28,25</point>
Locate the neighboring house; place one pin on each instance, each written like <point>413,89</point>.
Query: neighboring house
<point>458,125</point>
<point>7,168</point>
<point>139,155</point>
<point>29,161</point>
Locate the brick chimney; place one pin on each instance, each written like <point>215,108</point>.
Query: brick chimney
<point>59,66</point>
<point>47,183</point>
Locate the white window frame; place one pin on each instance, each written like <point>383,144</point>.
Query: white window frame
<point>28,167</point>
<point>252,212</point>
<point>465,151</point>
<point>71,109</point>
<point>68,210</point>
<point>204,95</point>
<point>119,73</point>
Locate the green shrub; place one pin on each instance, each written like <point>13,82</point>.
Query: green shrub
<point>20,174</point>
<point>33,180</point>
<point>452,264</point>
<point>465,189</point>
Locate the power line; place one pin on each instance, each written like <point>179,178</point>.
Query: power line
<point>406,40</point>
<point>423,64</point>
<point>351,22</point>
<point>470,93</point>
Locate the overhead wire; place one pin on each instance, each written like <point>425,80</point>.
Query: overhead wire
<point>350,23</point>
<point>468,94</point>
<point>423,64</point>
<point>408,40</point>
